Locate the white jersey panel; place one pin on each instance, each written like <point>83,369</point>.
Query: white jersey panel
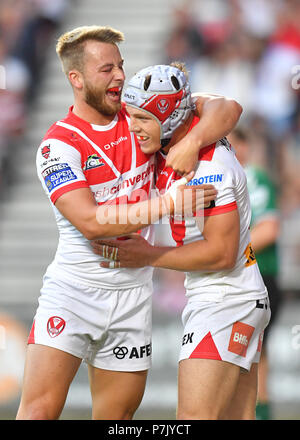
<point>244,281</point>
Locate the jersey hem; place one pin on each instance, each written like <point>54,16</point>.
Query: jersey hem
<point>237,297</point>
<point>57,275</point>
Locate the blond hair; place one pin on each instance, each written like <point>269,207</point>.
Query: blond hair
<point>70,46</point>
<point>180,66</point>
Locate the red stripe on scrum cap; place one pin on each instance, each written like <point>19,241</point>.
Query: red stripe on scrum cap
<point>162,106</point>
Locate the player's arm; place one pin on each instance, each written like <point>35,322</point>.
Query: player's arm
<point>264,233</point>
<point>266,227</point>
<point>218,116</point>
<point>217,251</point>
<point>107,220</point>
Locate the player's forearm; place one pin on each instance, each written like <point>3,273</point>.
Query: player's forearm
<point>117,220</point>
<point>264,234</point>
<point>218,117</point>
<point>196,256</point>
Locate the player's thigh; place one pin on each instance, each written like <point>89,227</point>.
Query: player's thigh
<point>243,404</point>
<point>48,374</point>
<point>116,395</point>
<point>205,387</point>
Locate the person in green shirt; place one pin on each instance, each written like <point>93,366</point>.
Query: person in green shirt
<point>264,235</point>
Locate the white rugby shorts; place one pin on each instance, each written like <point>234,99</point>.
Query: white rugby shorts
<point>229,331</point>
<point>109,329</point>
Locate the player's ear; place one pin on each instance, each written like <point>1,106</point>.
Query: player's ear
<point>76,79</point>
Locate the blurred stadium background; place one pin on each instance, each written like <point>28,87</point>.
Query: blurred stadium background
<point>251,49</point>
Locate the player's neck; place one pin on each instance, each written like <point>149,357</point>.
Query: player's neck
<point>90,114</point>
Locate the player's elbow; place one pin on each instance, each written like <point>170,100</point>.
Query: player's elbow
<point>225,261</point>
<point>238,109</point>
<point>92,230</point>
<point>91,234</point>
<point>229,263</point>
<point>230,259</point>
<point>234,109</point>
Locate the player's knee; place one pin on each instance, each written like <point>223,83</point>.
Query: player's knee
<point>37,411</point>
<point>113,412</point>
<point>198,414</point>
<point>127,414</point>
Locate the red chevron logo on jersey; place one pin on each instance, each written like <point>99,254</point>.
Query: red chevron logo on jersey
<point>46,151</point>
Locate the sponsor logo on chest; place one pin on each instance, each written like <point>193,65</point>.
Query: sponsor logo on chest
<point>123,185</point>
<point>211,178</point>
<point>93,161</point>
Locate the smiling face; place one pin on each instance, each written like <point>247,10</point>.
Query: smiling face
<point>146,128</point>
<point>103,77</point>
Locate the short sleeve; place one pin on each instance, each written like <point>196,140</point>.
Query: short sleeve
<point>59,168</point>
<point>223,180</point>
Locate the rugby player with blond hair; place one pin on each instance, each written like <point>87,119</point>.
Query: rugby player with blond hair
<point>94,173</point>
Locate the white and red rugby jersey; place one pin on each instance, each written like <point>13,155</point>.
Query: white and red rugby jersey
<point>218,166</point>
<point>107,159</point>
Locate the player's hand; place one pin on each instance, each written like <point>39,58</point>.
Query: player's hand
<point>182,157</point>
<point>135,251</point>
<point>187,200</point>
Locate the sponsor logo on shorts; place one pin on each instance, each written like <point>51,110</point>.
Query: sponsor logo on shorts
<point>240,338</point>
<point>187,338</point>
<point>133,353</point>
<point>56,175</point>
<point>55,326</point>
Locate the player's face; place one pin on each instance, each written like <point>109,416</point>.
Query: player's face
<point>103,76</point>
<point>146,129</point>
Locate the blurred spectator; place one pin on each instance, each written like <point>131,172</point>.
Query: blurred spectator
<point>257,17</point>
<point>227,70</point>
<point>169,293</point>
<point>15,82</point>
<point>249,50</point>
<point>12,97</point>
<point>33,40</point>
<point>264,237</point>
<point>26,27</point>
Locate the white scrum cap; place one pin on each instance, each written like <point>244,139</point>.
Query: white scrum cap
<point>164,92</point>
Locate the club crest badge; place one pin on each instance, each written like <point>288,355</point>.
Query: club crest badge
<point>55,326</point>
<point>163,105</point>
<point>46,151</point>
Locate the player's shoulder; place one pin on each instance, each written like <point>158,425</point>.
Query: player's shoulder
<point>63,134</point>
<point>224,154</point>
